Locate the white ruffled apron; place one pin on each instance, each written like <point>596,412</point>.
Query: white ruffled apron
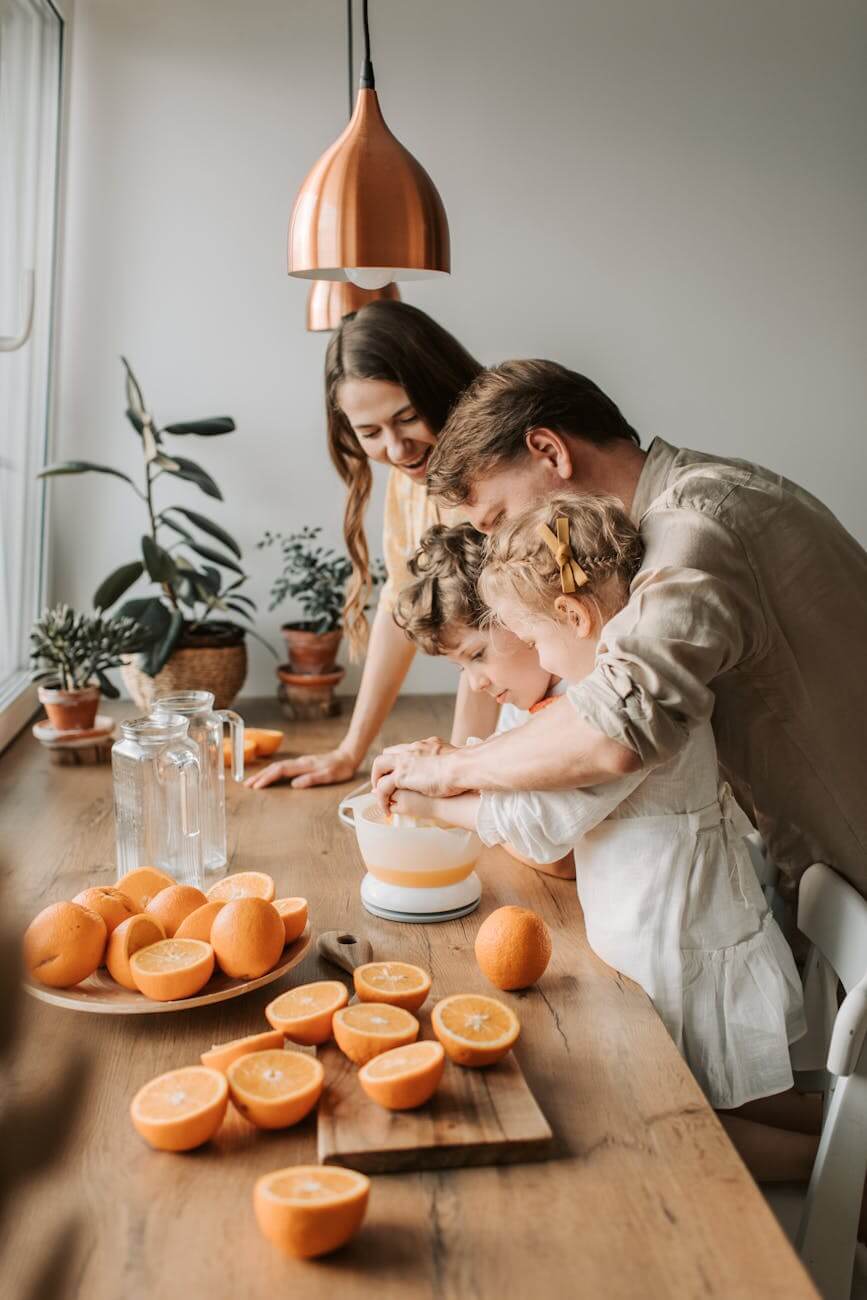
<point>672,901</point>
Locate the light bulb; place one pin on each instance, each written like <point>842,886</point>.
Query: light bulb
<point>370,277</point>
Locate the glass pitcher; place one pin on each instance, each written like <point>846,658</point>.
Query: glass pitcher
<point>157,777</point>
<point>206,729</point>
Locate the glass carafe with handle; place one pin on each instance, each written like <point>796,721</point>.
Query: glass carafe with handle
<point>157,779</point>
<point>206,729</point>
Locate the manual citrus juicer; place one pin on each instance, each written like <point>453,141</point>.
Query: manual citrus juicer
<point>414,872</point>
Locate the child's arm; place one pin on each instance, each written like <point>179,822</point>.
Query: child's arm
<point>462,810</point>
<point>545,825</point>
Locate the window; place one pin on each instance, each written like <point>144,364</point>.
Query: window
<point>30,56</point>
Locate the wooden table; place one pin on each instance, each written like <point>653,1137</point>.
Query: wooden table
<point>645,1197</point>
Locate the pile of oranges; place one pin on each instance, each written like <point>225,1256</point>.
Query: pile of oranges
<point>162,939</point>
<point>273,1081</point>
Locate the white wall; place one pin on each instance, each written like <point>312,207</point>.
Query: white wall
<point>666,194</point>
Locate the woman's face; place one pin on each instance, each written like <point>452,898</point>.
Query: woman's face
<point>387,425</point>
<point>498,663</point>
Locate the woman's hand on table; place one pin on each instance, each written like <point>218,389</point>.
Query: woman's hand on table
<point>310,769</point>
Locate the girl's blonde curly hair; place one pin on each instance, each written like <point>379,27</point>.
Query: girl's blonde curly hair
<point>445,595</point>
<point>602,540</point>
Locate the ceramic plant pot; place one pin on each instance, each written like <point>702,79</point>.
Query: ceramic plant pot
<point>70,710</point>
<point>309,695</point>
<point>311,652</point>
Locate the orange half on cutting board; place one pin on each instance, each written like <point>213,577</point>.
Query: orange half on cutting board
<point>305,1014</point>
<point>368,1028</point>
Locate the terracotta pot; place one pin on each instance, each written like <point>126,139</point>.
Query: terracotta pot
<point>309,695</point>
<point>70,710</point>
<point>219,669</point>
<point>311,652</point>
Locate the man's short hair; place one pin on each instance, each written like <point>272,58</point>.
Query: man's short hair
<point>488,426</point>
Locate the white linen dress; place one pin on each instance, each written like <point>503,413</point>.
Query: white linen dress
<point>671,899</point>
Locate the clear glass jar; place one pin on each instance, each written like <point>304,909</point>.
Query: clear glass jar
<point>206,729</point>
<point>157,777</point>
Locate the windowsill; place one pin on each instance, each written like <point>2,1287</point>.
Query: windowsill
<point>18,704</point>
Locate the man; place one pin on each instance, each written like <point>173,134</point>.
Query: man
<point>750,607</point>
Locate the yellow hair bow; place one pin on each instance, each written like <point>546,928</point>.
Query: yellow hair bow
<point>572,575</point>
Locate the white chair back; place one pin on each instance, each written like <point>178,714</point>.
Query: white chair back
<point>833,916</point>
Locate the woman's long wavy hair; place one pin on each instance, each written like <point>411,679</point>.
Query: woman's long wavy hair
<point>397,343</point>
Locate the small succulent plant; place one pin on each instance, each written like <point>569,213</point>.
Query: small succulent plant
<point>74,650</point>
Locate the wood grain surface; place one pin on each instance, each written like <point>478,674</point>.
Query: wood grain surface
<point>476,1117</point>
<point>645,1198</point>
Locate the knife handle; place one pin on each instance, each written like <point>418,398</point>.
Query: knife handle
<point>344,950</point>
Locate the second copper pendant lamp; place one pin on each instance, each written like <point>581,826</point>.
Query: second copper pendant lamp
<point>367,213</point>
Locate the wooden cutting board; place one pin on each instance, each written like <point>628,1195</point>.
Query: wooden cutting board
<point>476,1117</point>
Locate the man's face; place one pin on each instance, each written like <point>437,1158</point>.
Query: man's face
<point>504,493</point>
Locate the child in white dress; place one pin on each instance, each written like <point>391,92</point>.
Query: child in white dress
<point>668,891</point>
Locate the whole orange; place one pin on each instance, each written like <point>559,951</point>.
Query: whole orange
<point>247,937</point>
<point>171,906</point>
<point>513,947</point>
<point>112,905</point>
<point>64,944</point>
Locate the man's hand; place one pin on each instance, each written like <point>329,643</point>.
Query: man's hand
<point>406,768</point>
<point>308,770</point>
<point>433,745</point>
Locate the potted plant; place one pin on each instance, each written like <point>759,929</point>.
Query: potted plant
<point>315,577</point>
<point>71,654</point>
<point>194,639</point>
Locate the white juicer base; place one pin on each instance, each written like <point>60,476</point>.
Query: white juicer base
<point>397,903</point>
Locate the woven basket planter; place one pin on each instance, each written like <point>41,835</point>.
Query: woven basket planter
<point>221,670</point>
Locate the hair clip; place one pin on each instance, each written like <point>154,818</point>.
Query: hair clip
<point>572,576</point>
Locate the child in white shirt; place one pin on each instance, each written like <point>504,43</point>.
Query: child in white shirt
<point>665,880</point>
<point>442,614</point>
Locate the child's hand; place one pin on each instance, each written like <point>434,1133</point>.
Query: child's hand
<point>407,803</point>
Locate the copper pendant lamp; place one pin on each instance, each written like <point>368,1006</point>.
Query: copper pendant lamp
<point>330,300</point>
<point>368,212</point>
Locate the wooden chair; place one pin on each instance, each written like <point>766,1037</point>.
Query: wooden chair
<point>833,916</point>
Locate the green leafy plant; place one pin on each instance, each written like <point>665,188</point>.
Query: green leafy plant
<point>196,578</point>
<point>315,576</point>
<point>72,649</point>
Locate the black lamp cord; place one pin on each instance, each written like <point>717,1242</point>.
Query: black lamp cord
<point>349,56</point>
<point>367,82</point>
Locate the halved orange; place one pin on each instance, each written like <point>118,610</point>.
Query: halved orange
<point>369,1028</point>
<point>309,1210</point>
<point>305,1013</point>
<point>475,1030</point>
<point>251,750</point>
<point>243,884</point>
<point>181,1109</point>
<point>394,982</point>
<point>266,742</point>
<point>143,884</point>
<point>221,1056</point>
<point>294,915</point>
<point>274,1089</point>
<point>138,932</point>
<point>197,924</point>
<point>404,1077</point>
<point>172,968</point>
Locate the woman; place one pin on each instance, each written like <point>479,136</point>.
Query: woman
<point>392,375</point>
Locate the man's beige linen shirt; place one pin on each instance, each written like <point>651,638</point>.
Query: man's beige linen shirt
<point>751,608</point>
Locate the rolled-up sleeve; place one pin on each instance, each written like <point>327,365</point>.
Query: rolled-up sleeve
<point>545,826</point>
<point>694,612</point>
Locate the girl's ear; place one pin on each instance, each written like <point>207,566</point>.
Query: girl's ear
<point>551,447</point>
<point>577,613</point>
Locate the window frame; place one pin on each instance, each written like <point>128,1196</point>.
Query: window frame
<point>18,695</point>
